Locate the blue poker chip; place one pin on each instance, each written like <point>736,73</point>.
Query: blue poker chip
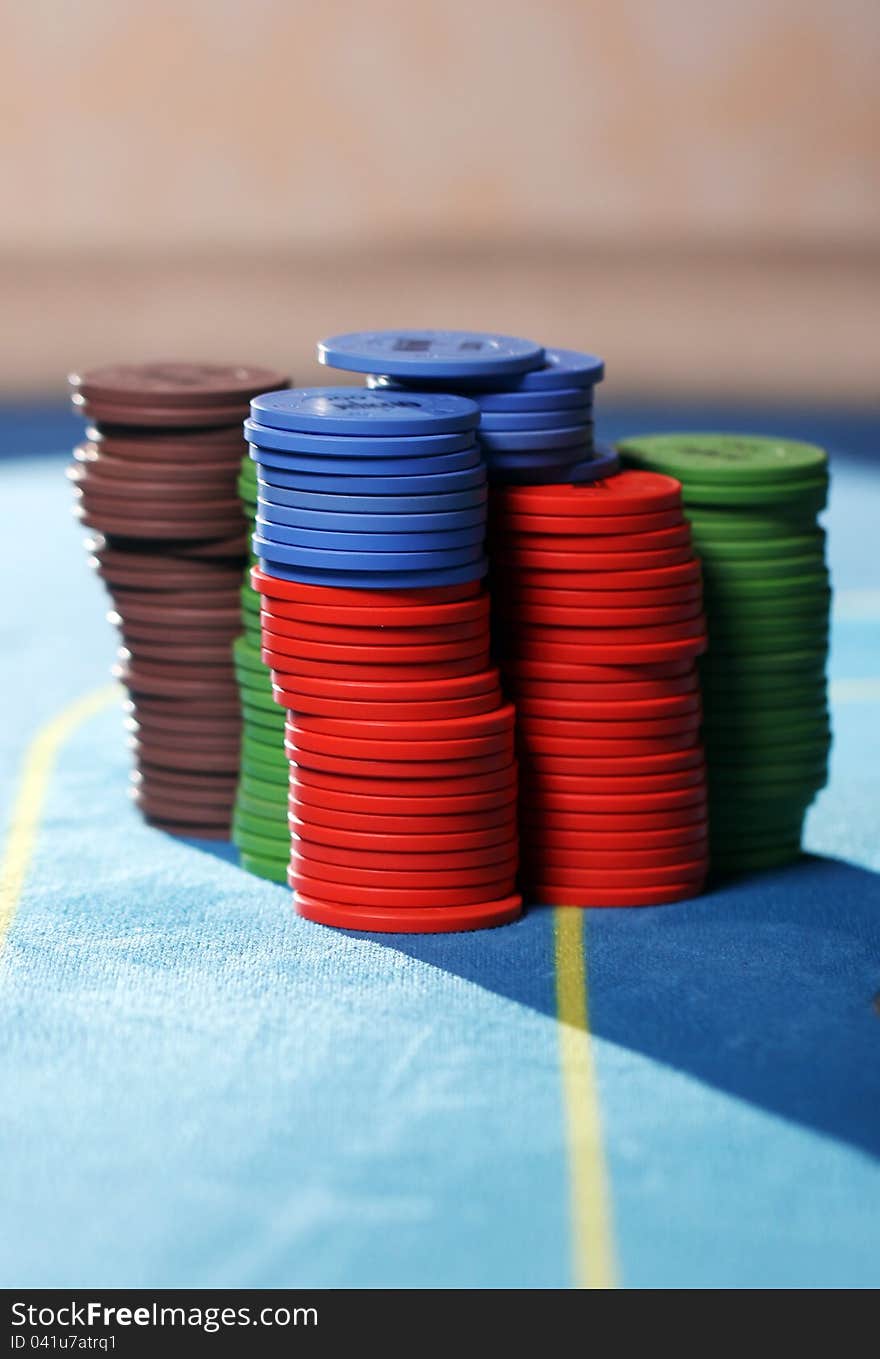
<point>353,445</point>
<point>578,399</point>
<point>378,580</point>
<point>603,462</point>
<point>320,540</point>
<point>356,410</point>
<point>539,440</point>
<point>417,354</point>
<point>441,483</point>
<point>499,422</point>
<point>563,368</point>
<point>473,500</point>
<point>335,522</point>
<point>327,559</point>
<point>599,465</point>
<point>367,467</point>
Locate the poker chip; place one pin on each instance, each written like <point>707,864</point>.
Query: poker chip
<point>266,440</point>
<point>408,920</point>
<point>752,504</point>
<point>432,354</point>
<point>433,541</point>
<point>406,464</point>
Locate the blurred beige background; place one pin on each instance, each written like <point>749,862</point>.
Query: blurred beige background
<point>690,188</point>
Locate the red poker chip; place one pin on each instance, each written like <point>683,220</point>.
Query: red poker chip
<point>537,635</point>
<point>583,804</point>
<point>541,615</point>
<point>398,879</point>
<point>555,736</point>
<point>608,861</point>
<point>281,645</point>
<point>459,807</point>
<point>538,591</point>
<point>373,636</point>
<point>564,827</point>
<point>685,841</point>
<point>505,519</point>
<point>578,542</point>
<point>401,823</point>
<point>585,709</point>
<point>633,690</point>
<point>406,769</point>
<point>598,785</point>
<point>505,853</point>
<point>388,686</point>
<point>501,720</point>
<point>630,491</point>
<point>559,894</point>
<point>438,710</point>
<point>535,763</point>
<point>620,766</point>
<point>337,596</point>
<point>402,897</point>
<point>374,920</point>
<point>299,742</point>
<point>527,647</point>
<point>617,581</point>
<point>393,615</point>
<point>524,556</point>
<point>433,843</point>
<point>368,785</point>
<point>692,871</point>
<point>298,668</point>
<point>565,672</point>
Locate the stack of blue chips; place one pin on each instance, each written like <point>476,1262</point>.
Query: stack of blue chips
<point>536,405</point>
<point>370,489</point>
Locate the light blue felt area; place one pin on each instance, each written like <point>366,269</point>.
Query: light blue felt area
<point>197,1088</point>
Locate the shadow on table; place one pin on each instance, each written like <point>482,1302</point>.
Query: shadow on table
<point>764,988</point>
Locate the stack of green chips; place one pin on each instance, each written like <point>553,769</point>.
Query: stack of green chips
<point>259,825</point>
<point>752,504</point>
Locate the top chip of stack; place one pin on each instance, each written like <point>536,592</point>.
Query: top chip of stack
<point>536,419</point>
<point>375,490</point>
<point>169,395</point>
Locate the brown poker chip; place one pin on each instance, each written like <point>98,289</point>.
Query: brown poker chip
<point>216,653</point>
<point>139,704</point>
<point>111,522</point>
<point>195,609</point>
<point>172,383</point>
<point>210,788</point>
<point>186,831</point>
<point>223,742</point>
<point>153,585</point>
<point>181,812</point>
<point>174,636</point>
<point>138,507</point>
<point>160,417</point>
<point>222,730</point>
<point>185,474</point>
<point>174,756</point>
<point>102,479</point>
<point>170,445</point>
<point>143,679</point>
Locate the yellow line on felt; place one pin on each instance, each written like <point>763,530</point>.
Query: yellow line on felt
<point>593,1263</point>
<point>39,762</point>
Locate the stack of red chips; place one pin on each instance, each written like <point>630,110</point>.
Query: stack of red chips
<point>599,623</point>
<point>403,776</point>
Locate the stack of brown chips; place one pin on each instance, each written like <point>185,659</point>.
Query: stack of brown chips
<point>156,480</point>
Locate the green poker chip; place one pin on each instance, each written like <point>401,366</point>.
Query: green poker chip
<point>735,569</point>
<point>727,459</point>
<point>271,809</point>
<point>809,496</point>
<point>263,846</point>
<point>266,771</point>
<point>722,526</point>
<point>764,550</point>
<point>754,860</point>
<point>274,870</point>
<point>255,786</point>
<point>267,719</point>
<point>271,827</point>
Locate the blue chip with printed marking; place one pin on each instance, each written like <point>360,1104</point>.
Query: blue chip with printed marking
<point>431,354</point>
<point>361,411</point>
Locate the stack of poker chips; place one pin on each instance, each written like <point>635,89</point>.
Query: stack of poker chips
<point>155,479</point>
<point>536,404</point>
<point>752,504</point>
<point>600,622</point>
<point>259,826</point>
<point>370,531</point>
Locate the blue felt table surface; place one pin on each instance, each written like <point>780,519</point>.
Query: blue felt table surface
<point>199,1089</point>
